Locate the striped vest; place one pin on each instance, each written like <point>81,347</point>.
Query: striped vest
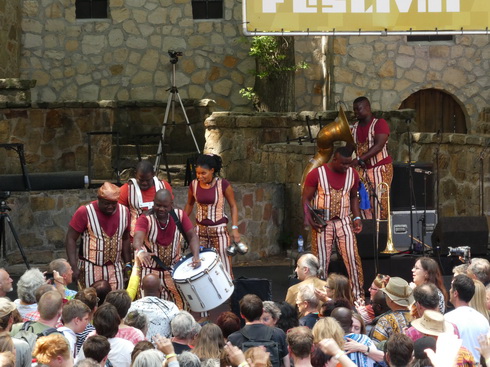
<point>215,211</point>
<point>97,246</point>
<point>135,200</point>
<point>368,144</point>
<point>169,254</point>
<point>336,202</point>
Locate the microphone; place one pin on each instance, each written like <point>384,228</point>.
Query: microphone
<point>420,170</point>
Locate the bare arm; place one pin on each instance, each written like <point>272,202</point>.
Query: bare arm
<point>230,198</point>
<point>379,142</point>
<point>189,206</point>
<point>354,206</point>
<point>71,250</point>
<point>194,245</point>
<point>126,247</point>
<point>306,197</point>
<point>138,244</point>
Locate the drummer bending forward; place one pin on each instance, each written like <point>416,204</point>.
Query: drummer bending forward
<point>156,233</point>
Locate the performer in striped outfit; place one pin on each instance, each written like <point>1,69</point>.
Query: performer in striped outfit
<point>156,233</point>
<point>104,226</point>
<point>138,193</point>
<point>333,189</point>
<point>373,161</point>
<point>210,193</point>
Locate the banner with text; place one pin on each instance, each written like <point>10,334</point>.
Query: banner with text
<point>366,16</point>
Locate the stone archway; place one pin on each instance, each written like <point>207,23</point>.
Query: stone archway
<point>436,110</point>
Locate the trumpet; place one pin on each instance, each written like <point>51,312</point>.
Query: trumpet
<point>384,189</point>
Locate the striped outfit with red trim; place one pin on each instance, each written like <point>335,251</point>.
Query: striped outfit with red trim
<point>377,170</point>
<point>215,236</point>
<point>101,254</point>
<point>339,232</point>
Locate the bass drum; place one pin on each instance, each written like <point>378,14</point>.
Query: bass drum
<point>206,287</point>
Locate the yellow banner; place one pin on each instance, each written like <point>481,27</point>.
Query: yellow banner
<point>330,16</point>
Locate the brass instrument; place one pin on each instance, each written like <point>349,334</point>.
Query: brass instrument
<point>339,130</point>
<point>384,189</point>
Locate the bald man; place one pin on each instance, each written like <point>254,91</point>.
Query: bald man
<point>157,234</point>
<point>158,311</point>
<point>104,227</point>
<point>5,283</point>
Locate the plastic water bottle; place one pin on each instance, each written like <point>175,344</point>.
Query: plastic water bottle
<point>300,243</point>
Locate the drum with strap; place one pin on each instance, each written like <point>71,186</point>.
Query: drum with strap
<point>206,287</point>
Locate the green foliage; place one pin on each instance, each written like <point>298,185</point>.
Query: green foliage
<point>271,61</point>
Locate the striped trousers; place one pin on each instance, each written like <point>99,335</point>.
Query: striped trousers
<point>339,232</point>
<point>216,237</point>
<point>90,273</point>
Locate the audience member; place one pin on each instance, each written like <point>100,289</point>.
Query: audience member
<point>102,287</point>
<point>254,354</point>
<point>97,347</point>
<point>399,296</point>
<point>420,358</point>
<point>460,269</point>
<point>149,358</point>
<point>209,345</point>
<point>188,359</point>
<point>471,323</point>
<point>329,306</point>
<point>121,300</point>
<point>338,356</point>
<point>6,342</point>
<point>22,348</point>
<point>271,313</point>
<point>88,362</point>
<point>358,326</point>
<point>5,283</point>
<point>75,315</point>
<point>366,311</point>
<point>308,271</point>
<point>140,347</point>
<point>289,316</point>
<point>338,286</point>
<point>359,354</point>
<point>159,311</point>
<point>106,322</point>
<point>63,267</point>
<point>328,328</point>
<point>479,299</point>
<point>89,297</point>
<point>399,349</point>
<point>479,269</point>
<point>26,287</point>
<point>300,344</point>
<point>251,308</point>
<point>487,296</point>
<point>352,345</point>
<point>184,330</point>
<point>307,303</point>
<point>228,322</point>
<point>137,320</point>
<point>34,315</point>
<point>7,359</point>
<point>53,351</point>
<point>426,270</point>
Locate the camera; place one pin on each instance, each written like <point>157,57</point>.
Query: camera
<point>174,54</point>
<point>49,276</point>
<point>463,251</point>
<point>4,195</point>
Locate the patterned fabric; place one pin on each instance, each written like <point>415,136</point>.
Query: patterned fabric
<point>363,147</point>
<point>89,329</point>
<point>338,232</point>
<point>130,333</point>
<point>135,200</point>
<point>377,175</point>
<point>214,212</point>
<point>90,273</point>
<point>360,359</point>
<point>216,237</point>
<point>389,324</point>
<point>34,316</point>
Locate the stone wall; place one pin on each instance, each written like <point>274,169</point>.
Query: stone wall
<point>10,38</point>
<point>41,220</point>
<point>253,149</point>
<point>388,70</point>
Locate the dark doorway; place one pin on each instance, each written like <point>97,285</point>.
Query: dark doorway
<point>436,110</point>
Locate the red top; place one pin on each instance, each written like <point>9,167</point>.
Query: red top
<point>335,179</point>
<point>148,195</point>
<point>109,223</point>
<point>381,127</point>
<point>166,236</point>
<point>208,197</point>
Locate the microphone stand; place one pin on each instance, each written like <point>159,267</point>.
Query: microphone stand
<point>411,249</point>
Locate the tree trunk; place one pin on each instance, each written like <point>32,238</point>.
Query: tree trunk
<point>275,93</point>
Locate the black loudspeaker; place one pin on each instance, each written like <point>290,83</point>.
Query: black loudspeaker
<point>461,231</point>
<point>366,242</point>
<point>44,181</point>
<point>400,186</point>
<point>243,286</point>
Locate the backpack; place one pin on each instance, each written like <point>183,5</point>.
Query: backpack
<point>27,333</point>
<point>266,341</point>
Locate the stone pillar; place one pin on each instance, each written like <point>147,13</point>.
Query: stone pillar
<point>16,91</point>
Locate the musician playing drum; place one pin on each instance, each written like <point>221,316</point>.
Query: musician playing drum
<point>333,189</point>
<point>157,233</point>
<point>373,161</point>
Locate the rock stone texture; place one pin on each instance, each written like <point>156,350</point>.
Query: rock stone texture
<point>10,38</point>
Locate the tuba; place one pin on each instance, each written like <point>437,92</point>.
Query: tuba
<point>338,130</point>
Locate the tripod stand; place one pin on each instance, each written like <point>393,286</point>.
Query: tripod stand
<point>5,217</point>
<point>172,100</point>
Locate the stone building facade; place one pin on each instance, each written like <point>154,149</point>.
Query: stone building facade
<point>10,38</point>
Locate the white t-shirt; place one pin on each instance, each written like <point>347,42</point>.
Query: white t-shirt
<point>119,355</point>
<point>25,309</point>
<point>471,324</point>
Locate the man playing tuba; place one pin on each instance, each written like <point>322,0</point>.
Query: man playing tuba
<point>333,189</point>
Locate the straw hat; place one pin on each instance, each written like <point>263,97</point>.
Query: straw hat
<point>432,323</point>
<point>6,306</point>
<point>399,291</point>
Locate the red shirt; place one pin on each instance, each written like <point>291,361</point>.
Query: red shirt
<point>335,179</point>
<point>381,127</point>
<point>208,197</point>
<point>166,236</point>
<point>109,223</point>
<point>148,195</point>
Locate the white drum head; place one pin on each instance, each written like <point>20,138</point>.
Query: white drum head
<point>184,269</point>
